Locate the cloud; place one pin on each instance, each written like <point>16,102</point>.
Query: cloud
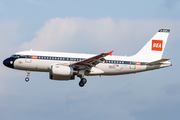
<point>55,33</point>
<point>96,35</point>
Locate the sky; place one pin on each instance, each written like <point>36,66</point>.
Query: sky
<point>89,26</point>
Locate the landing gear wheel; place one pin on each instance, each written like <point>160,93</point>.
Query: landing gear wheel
<point>27,79</point>
<point>82,82</point>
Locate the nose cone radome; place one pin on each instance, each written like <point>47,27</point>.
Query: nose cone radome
<point>9,62</point>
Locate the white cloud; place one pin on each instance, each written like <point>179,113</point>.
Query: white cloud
<point>96,35</point>
<point>55,33</point>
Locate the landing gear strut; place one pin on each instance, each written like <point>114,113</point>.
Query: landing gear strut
<point>27,78</point>
<point>82,82</point>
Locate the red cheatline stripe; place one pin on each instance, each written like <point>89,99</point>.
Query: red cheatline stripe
<point>137,63</point>
<point>34,57</point>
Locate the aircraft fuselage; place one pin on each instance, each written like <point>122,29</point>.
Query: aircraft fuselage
<point>42,62</point>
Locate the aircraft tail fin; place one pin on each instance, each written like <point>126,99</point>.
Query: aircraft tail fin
<point>154,49</point>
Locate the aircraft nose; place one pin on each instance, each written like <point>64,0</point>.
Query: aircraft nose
<point>9,62</point>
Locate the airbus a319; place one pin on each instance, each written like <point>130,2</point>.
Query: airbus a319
<point>65,66</point>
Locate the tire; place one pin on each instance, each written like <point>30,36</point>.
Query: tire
<point>82,82</point>
<point>27,79</point>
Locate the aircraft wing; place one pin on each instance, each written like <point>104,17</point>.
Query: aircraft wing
<point>93,61</point>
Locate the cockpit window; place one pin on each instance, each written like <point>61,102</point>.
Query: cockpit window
<point>12,56</point>
<point>18,56</point>
<point>15,56</point>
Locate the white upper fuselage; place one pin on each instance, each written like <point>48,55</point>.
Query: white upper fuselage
<point>113,65</point>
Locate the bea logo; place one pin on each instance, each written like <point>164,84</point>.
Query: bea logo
<point>157,45</point>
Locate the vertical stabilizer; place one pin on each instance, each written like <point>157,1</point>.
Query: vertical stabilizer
<point>154,49</point>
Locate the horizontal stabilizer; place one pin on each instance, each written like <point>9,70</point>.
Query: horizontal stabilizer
<point>158,61</point>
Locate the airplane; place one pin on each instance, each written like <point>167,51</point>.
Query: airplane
<point>65,66</point>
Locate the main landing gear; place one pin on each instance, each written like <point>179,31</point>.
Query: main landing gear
<point>82,82</point>
<point>27,78</point>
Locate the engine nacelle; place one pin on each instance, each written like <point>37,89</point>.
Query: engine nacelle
<point>61,77</point>
<point>61,70</point>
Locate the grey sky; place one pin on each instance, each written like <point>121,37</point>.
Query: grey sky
<point>89,26</point>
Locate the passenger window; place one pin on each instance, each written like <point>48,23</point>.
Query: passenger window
<point>28,56</point>
<point>22,56</point>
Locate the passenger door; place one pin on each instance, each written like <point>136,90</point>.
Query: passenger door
<point>28,59</point>
<point>132,65</point>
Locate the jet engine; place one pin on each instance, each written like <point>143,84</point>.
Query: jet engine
<point>61,72</point>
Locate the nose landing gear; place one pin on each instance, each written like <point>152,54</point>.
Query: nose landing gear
<point>27,78</point>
